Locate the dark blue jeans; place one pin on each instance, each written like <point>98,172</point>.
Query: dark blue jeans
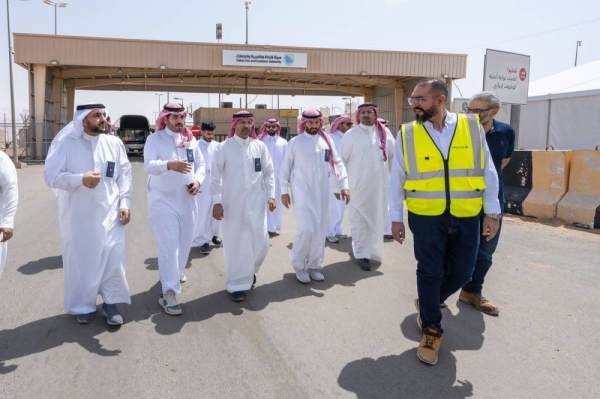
<point>445,249</point>
<point>484,262</point>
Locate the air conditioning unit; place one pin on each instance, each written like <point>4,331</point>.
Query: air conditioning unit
<point>226,105</point>
<point>261,106</point>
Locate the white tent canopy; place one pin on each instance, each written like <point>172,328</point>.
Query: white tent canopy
<point>563,110</point>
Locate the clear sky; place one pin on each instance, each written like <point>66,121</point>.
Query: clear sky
<point>545,30</point>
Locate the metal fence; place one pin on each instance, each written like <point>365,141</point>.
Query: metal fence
<point>37,138</point>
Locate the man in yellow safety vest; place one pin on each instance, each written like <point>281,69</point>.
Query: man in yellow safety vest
<point>444,171</point>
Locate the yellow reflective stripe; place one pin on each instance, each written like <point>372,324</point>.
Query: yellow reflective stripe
<point>409,144</point>
<point>475,140</point>
<point>442,194</point>
<point>451,173</point>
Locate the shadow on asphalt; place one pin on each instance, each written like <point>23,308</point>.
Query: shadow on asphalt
<point>40,265</point>
<point>345,274</point>
<point>52,332</point>
<point>405,376</point>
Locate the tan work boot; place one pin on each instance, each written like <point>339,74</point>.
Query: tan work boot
<point>428,349</point>
<point>479,302</point>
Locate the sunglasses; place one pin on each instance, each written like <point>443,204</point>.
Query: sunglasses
<point>271,126</point>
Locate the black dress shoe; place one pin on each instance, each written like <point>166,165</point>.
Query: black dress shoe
<point>388,237</point>
<point>237,296</point>
<point>217,241</point>
<point>254,281</point>
<point>205,249</point>
<point>272,234</point>
<point>365,264</point>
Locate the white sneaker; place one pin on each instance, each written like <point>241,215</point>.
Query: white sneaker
<point>342,236</point>
<point>183,278</point>
<point>316,275</point>
<point>302,276</point>
<point>169,304</point>
<point>333,239</point>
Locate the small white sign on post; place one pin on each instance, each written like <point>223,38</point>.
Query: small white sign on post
<point>507,75</point>
<point>267,59</point>
<point>460,105</point>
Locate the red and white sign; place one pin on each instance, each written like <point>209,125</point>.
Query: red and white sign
<point>523,74</point>
<point>507,75</point>
<point>195,130</point>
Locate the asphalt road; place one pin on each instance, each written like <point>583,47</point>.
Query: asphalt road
<point>353,335</point>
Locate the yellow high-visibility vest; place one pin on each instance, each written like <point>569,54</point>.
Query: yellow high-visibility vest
<point>434,185</point>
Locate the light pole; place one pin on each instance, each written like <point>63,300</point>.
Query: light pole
<point>55,5</point>
<point>349,105</point>
<point>577,50</point>
<point>247,3</point>
<point>159,95</point>
<point>179,98</point>
<point>12,90</point>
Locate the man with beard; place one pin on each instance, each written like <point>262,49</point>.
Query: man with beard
<point>242,180</point>
<point>269,134</point>
<point>366,151</point>
<point>500,138</point>
<point>309,160</point>
<point>444,170</point>
<point>207,227</point>
<point>337,207</point>
<point>91,175</point>
<point>175,166</point>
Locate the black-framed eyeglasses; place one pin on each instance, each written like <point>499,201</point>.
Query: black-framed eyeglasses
<point>476,110</point>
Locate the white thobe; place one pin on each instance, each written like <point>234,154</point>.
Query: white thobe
<point>9,198</point>
<point>368,177</point>
<point>306,168</point>
<point>92,236</point>
<point>276,146</point>
<point>387,228</point>
<point>242,178</point>
<point>207,227</point>
<point>172,208</point>
<point>337,207</point>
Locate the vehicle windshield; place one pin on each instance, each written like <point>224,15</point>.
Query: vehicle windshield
<point>132,135</point>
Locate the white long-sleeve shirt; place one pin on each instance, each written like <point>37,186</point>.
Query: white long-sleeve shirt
<point>442,140</point>
<point>9,192</point>
<point>160,148</point>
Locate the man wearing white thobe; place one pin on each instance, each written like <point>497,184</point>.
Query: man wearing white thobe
<point>9,198</point>
<point>242,179</point>
<point>270,135</point>
<point>366,150</point>
<point>337,207</point>
<point>91,175</point>
<point>309,160</point>
<point>207,227</point>
<point>175,166</point>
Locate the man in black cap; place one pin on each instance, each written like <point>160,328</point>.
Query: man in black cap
<point>207,227</point>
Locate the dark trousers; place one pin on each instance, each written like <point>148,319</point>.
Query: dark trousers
<point>484,262</point>
<point>446,249</point>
